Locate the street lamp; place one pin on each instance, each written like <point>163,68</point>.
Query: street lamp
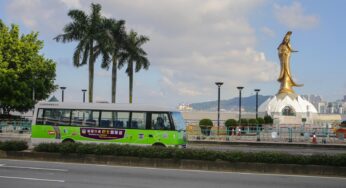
<point>219,84</point>
<point>62,93</point>
<point>257,133</point>
<point>257,90</point>
<point>84,90</point>
<point>240,88</point>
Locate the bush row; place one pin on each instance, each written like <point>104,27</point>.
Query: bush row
<point>195,154</point>
<point>13,145</point>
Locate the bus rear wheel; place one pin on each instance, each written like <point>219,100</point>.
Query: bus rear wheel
<point>159,145</point>
<point>68,140</point>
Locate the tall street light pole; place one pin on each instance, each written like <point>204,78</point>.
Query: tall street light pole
<point>219,84</point>
<point>257,90</point>
<point>257,133</point>
<point>240,88</point>
<point>84,90</point>
<point>62,93</point>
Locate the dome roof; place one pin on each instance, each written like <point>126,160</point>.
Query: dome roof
<point>278,102</point>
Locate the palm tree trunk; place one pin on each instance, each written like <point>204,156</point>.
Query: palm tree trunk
<point>114,78</point>
<point>131,81</point>
<point>91,73</point>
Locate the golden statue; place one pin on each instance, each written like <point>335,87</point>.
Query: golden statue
<point>285,77</point>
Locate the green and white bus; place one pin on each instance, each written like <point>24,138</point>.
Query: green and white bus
<point>108,123</point>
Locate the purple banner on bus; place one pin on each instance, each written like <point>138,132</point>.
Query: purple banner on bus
<point>102,134</point>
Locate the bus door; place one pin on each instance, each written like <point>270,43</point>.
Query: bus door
<point>136,129</point>
<point>160,127</point>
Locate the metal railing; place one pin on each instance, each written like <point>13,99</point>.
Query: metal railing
<point>15,126</point>
<point>266,134</point>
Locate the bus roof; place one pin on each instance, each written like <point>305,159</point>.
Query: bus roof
<point>104,106</point>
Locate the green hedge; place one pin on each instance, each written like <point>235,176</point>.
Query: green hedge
<point>195,154</point>
<point>13,145</point>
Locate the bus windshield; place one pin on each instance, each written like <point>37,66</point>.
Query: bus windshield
<point>179,121</point>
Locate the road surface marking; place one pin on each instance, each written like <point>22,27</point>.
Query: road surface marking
<point>186,170</point>
<point>33,168</point>
<point>32,179</point>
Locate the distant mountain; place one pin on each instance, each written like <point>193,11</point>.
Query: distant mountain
<point>247,103</point>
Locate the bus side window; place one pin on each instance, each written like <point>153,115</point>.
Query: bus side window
<point>138,120</point>
<point>106,118</point>
<point>85,118</point>
<point>56,117</point>
<point>160,121</point>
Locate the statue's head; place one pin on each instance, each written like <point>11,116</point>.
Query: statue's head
<point>287,37</point>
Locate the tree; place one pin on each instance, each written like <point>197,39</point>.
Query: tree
<point>25,76</point>
<point>231,123</point>
<point>87,30</point>
<point>253,122</point>
<point>244,122</point>
<point>112,43</point>
<point>260,120</point>
<point>268,119</point>
<point>134,53</point>
<point>205,125</point>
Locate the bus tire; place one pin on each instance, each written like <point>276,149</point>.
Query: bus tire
<point>67,140</point>
<point>159,145</point>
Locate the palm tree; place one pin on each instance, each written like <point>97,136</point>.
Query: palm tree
<point>133,53</point>
<point>113,43</point>
<point>87,30</point>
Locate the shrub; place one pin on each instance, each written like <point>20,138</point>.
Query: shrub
<point>13,145</point>
<point>194,154</point>
<point>253,122</point>
<point>47,147</point>
<point>231,123</point>
<point>268,119</point>
<point>244,122</point>
<point>205,123</point>
<point>260,120</point>
<point>66,148</point>
<point>87,148</point>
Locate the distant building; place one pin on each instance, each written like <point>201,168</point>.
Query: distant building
<point>184,107</point>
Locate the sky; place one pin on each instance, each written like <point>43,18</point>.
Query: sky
<point>195,43</point>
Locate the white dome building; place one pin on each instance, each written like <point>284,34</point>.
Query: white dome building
<point>289,109</point>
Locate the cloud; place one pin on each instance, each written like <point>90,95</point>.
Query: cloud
<point>192,76</point>
<point>72,4</point>
<point>267,31</point>
<point>293,16</point>
<point>48,17</point>
<point>192,43</point>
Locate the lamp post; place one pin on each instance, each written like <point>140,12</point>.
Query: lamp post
<point>257,90</point>
<point>84,90</point>
<point>257,133</point>
<point>240,88</point>
<point>62,93</point>
<point>219,84</point>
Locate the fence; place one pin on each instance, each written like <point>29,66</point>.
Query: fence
<point>265,134</point>
<point>15,126</point>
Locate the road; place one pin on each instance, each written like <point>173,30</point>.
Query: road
<point>35,174</point>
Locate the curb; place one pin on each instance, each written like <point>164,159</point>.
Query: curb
<point>291,169</point>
